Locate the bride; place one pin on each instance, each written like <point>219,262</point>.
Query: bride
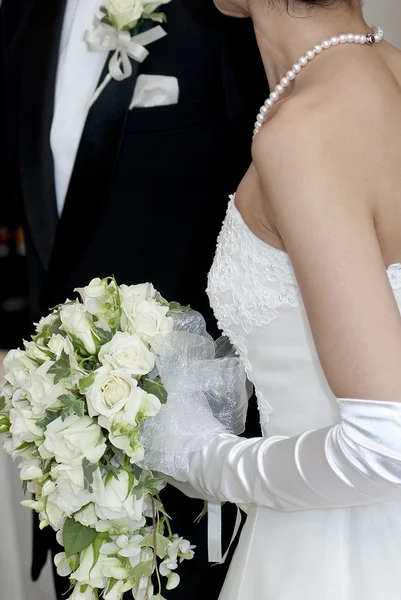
<point>306,283</point>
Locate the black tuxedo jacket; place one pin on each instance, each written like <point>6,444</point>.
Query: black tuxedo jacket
<point>149,187</point>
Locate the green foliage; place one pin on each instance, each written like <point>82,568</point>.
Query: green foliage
<point>89,469</point>
<point>155,387</point>
<point>61,368</point>
<point>50,415</point>
<point>86,382</point>
<point>71,405</point>
<point>77,537</point>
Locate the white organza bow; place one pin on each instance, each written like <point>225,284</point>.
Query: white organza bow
<point>207,394</point>
<point>105,38</point>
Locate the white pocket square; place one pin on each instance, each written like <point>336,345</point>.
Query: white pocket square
<point>155,90</point>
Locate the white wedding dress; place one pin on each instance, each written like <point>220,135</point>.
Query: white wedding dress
<point>329,554</point>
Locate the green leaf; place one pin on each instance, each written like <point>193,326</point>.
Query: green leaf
<point>55,327</point>
<point>144,569</point>
<point>61,368</point>
<point>162,543</point>
<point>2,402</point>
<point>24,446</point>
<point>177,307</point>
<point>50,416</point>
<point>89,468</point>
<point>77,537</point>
<point>155,387</point>
<point>102,335</point>
<point>111,584</point>
<point>98,542</point>
<point>71,405</point>
<point>85,382</point>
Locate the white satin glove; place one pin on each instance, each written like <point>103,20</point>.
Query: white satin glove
<point>356,462</point>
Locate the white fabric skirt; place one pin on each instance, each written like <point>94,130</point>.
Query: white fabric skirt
<point>336,554</point>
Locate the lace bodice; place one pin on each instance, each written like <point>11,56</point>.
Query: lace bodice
<point>257,303</point>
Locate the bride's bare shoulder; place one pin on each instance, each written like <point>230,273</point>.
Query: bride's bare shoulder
<point>352,130</point>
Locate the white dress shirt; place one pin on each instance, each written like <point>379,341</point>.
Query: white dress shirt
<point>78,74</point>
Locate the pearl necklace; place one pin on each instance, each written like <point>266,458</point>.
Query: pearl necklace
<point>370,39</point>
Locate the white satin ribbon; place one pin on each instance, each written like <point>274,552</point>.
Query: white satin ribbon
<point>105,38</point>
<point>214,526</point>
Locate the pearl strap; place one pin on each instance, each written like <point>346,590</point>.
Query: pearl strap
<point>370,39</point>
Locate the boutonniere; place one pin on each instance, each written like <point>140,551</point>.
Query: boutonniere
<point>118,30</point>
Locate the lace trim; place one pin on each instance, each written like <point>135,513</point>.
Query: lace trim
<point>248,283</point>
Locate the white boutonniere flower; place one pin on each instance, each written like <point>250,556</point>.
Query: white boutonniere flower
<point>119,30</point>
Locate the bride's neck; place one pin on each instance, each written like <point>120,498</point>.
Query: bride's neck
<point>284,37</point>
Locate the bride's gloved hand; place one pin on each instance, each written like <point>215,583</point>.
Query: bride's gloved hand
<point>353,463</point>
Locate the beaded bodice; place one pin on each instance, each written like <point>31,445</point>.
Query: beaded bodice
<point>257,303</point>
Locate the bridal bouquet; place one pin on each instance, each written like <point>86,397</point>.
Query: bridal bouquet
<point>73,409</point>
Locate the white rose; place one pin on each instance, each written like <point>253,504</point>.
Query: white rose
<point>89,571</point>
<point>113,500</point>
<point>43,392</point>
<point>143,316</point>
<point>95,295</point>
<point>17,367</point>
<point>74,319</point>
<point>23,427</point>
<point>110,391</point>
<point>142,291</point>
<point>127,351</point>
<point>124,13</point>
<point>70,494</point>
<point>72,440</point>
<point>58,343</point>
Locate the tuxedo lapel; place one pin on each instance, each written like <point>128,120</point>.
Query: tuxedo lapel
<point>36,105</point>
<point>90,181</point>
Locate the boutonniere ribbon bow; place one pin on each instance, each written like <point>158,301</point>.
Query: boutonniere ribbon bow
<point>119,31</point>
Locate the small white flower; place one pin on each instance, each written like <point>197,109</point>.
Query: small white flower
<point>94,295</point>
<point>65,565</point>
<point>173,579</point>
<point>83,593</point>
<point>75,321</point>
<point>72,440</point>
<point>128,352</point>
<point>30,470</point>
<point>90,570</point>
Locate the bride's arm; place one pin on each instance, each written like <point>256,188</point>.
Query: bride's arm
<point>322,196</point>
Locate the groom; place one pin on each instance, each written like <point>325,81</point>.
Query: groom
<point>140,192</point>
